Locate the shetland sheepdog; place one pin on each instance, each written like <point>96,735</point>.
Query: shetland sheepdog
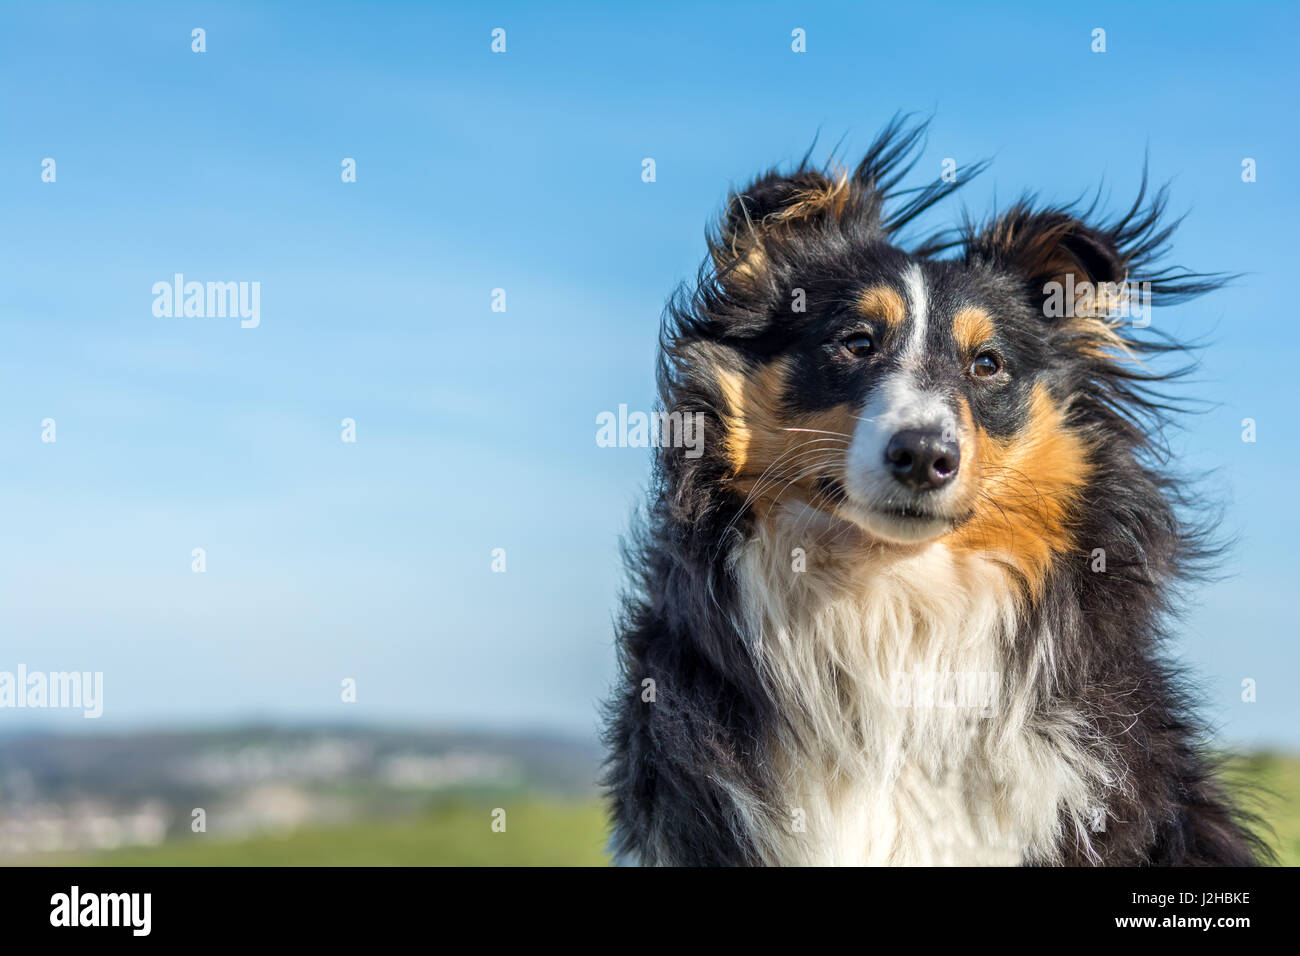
<point>908,605</point>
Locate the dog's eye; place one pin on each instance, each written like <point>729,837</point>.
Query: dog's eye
<point>986,365</point>
<point>859,345</point>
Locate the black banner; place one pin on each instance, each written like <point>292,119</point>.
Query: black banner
<point>330,905</point>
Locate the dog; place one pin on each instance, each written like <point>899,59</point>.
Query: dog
<point>907,607</point>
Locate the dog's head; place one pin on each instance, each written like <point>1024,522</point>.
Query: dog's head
<point>911,395</point>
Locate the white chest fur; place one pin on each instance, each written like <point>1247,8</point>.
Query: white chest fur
<point>913,743</point>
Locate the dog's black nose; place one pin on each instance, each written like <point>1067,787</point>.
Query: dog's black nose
<point>922,458</point>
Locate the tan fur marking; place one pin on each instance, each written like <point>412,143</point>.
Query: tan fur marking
<point>754,261</point>
<point>748,256</point>
<point>733,417</point>
<point>827,198</point>
<point>775,455</point>
<point>1100,338</point>
<point>882,302</point>
<point>1027,486</point>
<point>971,328</point>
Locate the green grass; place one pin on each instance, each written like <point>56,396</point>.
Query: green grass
<point>537,834</point>
<point>548,833</point>
<point>1270,785</point>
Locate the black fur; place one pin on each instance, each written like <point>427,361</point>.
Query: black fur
<point>690,775</point>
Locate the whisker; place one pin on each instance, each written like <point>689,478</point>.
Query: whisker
<point>802,449</point>
<point>822,431</point>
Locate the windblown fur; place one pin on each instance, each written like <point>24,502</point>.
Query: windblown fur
<point>820,666</point>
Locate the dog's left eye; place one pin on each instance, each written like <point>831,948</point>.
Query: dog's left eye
<point>859,345</point>
<point>986,365</point>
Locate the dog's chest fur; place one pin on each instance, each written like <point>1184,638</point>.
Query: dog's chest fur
<point>915,740</point>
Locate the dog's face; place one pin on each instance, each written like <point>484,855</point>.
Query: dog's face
<point>936,383</point>
<point>911,397</point>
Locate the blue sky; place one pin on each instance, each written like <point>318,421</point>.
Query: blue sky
<point>476,428</point>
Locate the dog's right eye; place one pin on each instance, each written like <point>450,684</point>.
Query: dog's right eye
<point>859,345</point>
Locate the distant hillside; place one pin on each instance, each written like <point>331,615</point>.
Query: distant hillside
<point>311,796</point>
<point>459,833</point>
<point>61,794</point>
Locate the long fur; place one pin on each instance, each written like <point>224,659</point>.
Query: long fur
<point>757,719</point>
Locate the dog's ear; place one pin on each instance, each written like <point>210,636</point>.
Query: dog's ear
<point>1050,252</point>
<point>777,207</point>
<point>771,210</point>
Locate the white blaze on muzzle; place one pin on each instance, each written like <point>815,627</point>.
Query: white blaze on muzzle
<point>895,406</point>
